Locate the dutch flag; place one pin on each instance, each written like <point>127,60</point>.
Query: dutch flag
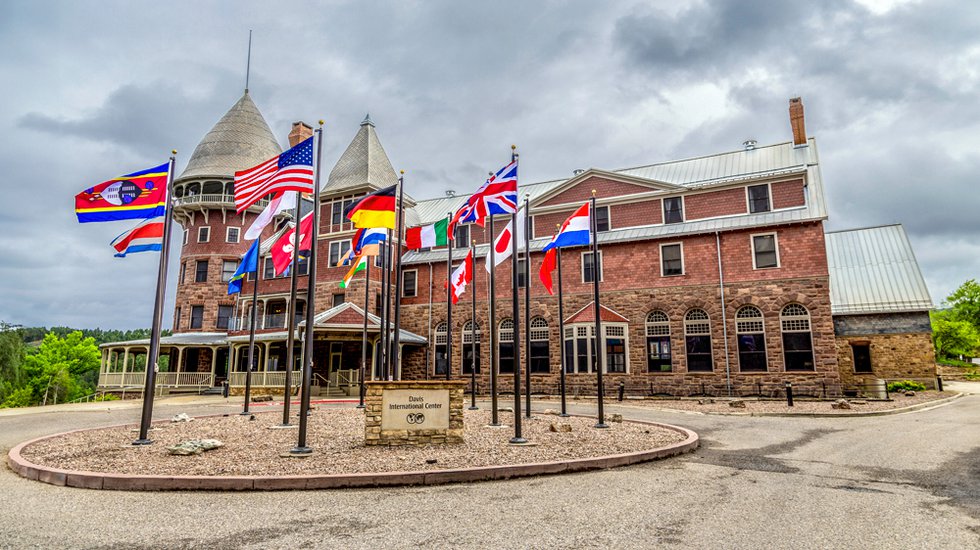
<point>145,237</point>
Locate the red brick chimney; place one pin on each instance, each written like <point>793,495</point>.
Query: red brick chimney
<point>796,121</point>
<point>301,132</point>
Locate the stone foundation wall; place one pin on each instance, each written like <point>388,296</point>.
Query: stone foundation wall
<point>893,357</point>
<point>375,435</point>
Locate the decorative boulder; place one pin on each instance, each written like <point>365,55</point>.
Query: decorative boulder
<point>616,418</point>
<point>736,404</point>
<point>559,427</point>
<point>182,417</point>
<point>550,411</point>
<point>910,393</point>
<point>840,404</point>
<point>195,447</point>
<point>261,398</point>
<point>708,401</point>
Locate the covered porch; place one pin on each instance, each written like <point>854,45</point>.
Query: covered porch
<point>188,362</point>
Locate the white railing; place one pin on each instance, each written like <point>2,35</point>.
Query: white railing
<point>169,379</point>
<point>267,379</point>
<point>108,379</point>
<point>348,378</point>
<point>212,198</point>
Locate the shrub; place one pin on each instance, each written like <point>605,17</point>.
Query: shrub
<point>906,385</point>
<point>106,397</point>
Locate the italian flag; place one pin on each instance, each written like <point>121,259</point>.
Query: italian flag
<point>427,236</point>
<point>359,265</point>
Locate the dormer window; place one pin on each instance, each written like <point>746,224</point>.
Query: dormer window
<point>601,218</point>
<point>758,198</point>
<point>673,210</point>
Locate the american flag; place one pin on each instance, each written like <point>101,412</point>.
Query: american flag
<point>290,171</point>
<point>497,196</point>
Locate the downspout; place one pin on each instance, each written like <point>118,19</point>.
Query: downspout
<point>428,348</point>
<point>724,316</point>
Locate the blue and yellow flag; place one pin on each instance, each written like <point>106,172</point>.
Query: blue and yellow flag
<point>135,196</point>
<point>249,264</point>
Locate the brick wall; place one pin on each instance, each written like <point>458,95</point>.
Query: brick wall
<point>786,194</point>
<point>715,203</point>
<point>916,322</point>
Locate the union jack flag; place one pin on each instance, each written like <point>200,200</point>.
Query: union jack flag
<point>497,196</point>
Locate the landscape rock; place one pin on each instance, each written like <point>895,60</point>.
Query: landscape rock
<point>840,404</point>
<point>550,411</point>
<point>261,398</point>
<point>708,401</point>
<point>560,427</point>
<point>736,404</point>
<point>910,393</point>
<point>616,418</point>
<point>182,417</point>
<point>505,409</point>
<point>194,447</point>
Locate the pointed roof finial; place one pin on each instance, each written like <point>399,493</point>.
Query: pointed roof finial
<point>367,120</point>
<point>248,59</point>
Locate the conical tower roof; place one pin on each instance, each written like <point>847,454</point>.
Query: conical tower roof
<point>240,140</point>
<point>363,165</point>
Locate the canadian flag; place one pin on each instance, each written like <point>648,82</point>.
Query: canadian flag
<point>503,244</point>
<point>461,276</point>
<point>282,251</point>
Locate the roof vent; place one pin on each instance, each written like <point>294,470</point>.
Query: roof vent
<point>450,193</point>
<point>577,171</point>
<point>749,144</point>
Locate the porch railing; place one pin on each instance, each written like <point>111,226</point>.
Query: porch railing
<point>168,379</point>
<point>275,379</point>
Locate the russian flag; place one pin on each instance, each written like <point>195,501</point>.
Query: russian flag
<point>576,231</point>
<point>145,237</point>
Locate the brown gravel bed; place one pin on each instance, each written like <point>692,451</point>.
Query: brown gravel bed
<point>721,405</point>
<point>336,435</point>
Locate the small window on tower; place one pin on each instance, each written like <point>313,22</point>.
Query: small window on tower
<point>203,234</point>
<point>232,235</point>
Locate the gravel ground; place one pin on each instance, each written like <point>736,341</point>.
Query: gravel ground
<point>720,405</point>
<point>337,437</point>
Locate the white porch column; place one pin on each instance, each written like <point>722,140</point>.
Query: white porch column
<point>265,362</point>
<point>180,358</point>
<point>125,366</point>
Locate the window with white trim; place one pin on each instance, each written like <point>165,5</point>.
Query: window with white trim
<point>409,280</point>
<point>794,321</point>
<point>601,218</point>
<point>673,210</point>
<point>232,234</point>
<point>471,338</point>
<point>521,271</point>
<point>579,341</point>
<point>339,249</point>
<point>539,341</point>
<point>671,259</point>
<point>697,341</point>
<point>461,236</point>
<point>587,271</point>
<point>658,342</point>
<point>224,315</point>
<point>505,346</point>
<point>228,269</point>
<point>751,335</point>
<point>186,233</point>
<point>203,234</point>
<point>758,197</point>
<point>765,251</point>
<point>442,346</point>
<point>201,272</point>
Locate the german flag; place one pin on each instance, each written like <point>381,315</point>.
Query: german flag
<point>374,210</point>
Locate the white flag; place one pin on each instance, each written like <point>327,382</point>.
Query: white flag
<point>276,206</point>
<point>502,244</point>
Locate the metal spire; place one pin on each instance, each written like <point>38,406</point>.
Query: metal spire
<point>248,59</point>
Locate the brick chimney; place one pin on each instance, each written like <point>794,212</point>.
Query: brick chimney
<point>796,121</point>
<point>302,131</point>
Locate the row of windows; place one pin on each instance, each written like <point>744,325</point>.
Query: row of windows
<point>581,356</point>
<point>197,317</point>
<point>232,234</point>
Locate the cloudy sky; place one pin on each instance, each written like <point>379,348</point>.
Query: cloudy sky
<point>96,89</point>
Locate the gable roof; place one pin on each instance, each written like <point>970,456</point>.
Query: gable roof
<point>587,315</point>
<point>348,316</point>
<point>873,270</point>
<point>240,140</point>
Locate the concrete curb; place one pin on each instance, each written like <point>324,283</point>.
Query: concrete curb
<point>902,410</point>
<point>108,481</point>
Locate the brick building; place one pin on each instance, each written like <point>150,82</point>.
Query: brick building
<point>716,276</point>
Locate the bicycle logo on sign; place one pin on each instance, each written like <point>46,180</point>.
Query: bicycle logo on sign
<point>415,418</point>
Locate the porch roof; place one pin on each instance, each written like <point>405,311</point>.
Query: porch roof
<point>181,339</point>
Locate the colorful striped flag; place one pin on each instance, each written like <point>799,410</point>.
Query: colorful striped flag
<point>427,236</point>
<point>374,210</point>
<point>135,196</point>
<point>366,242</point>
<point>145,237</point>
<point>359,265</point>
<point>290,171</point>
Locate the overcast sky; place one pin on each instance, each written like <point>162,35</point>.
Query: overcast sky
<point>93,90</point>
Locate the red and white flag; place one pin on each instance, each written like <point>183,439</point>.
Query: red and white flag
<point>461,276</point>
<point>502,245</point>
<point>290,171</point>
<point>282,251</point>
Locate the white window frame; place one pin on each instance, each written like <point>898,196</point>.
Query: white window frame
<point>230,275</point>
<point>340,252</point>
<point>608,218</point>
<point>746,325</point>
<point>663,210</point>
<point>238,234</point>
<point>572,333</point>
<point>406,272</point>
<point>186,233</point>
<point>683,266</point>
<point>748,199</point>
<point>775,242</point>
<point>207,229</point>
<point>582,268</point>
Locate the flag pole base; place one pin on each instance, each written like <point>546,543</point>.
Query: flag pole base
<point>601,425</point>
<point>564,415</point>
<point>359,406</point>
<point>300,452</point>
<point>520,442</point>
<point>472,408</point>
<point>142,442</point>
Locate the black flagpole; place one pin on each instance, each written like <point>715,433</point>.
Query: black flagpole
<point>527,308</point>
<point>304,407</point>
<point>251,335</point>
<point>450,242</point>
<point>561,334</point>
<point>492,303</point>
<point>518,439</point>
<point>386,311</point>
<point>149,384</point>
<point>367,304</point>
<point>597,352</point>
<point>291,322</point>
<point>396,339</point>
<point>473,344</point>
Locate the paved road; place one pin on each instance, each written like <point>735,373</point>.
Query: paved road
<point>902,481</point>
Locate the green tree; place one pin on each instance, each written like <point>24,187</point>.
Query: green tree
<point>964,303</point>
<point>952,337</point>
<point>62,369</point>
<point>11,357</point>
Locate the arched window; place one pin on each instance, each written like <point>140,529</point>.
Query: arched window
<point>442,347</point>
<point>471,346</point>
<point>751,335</point>
<point>794,321</point>
<point>212,188</point>
<point>193,189</point>
<point>658,342</point>
<point>505,339</point>
<point>540,359</point>
<point>697,340</point>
